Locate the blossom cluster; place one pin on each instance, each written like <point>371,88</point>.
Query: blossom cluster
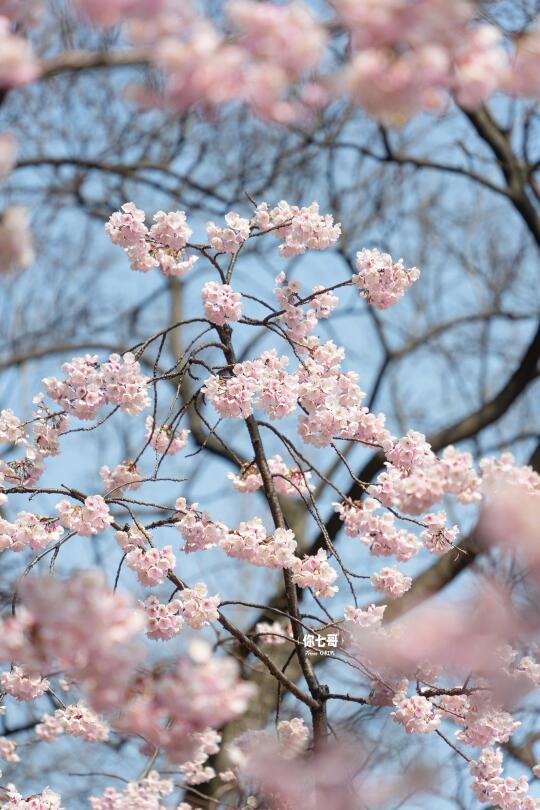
<point>231,238</point>
<point>28,531</point>
<point>401,57</point>
<point>252,543</point>
<point>164,439</point>
<point>124,476</point>
<point>299,229</point>
<point>21,685</point>
<point>16,248</point>
<point>391,581</point>
<point>88,386</point>
<point>263,382</point>
<point>416,714</point>
<point>378,532</point>
<point>163,245</point>
<point>76,721</point>
<point>193,606</point>
<point>195,771</point>
<point>181,701</point>
<point>140,795</point>
<point>298,322</point>
<point>381,280</point>
<point>221,303</point>
<point>151,565</point>
<point>81,626</point>
<point>490,786</point>
<point>420,479</point>
<point>332,400</point>
<point>288,481</point>
<point>89,519</point>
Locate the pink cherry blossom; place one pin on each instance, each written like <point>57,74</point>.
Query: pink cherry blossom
<point>315,572</point>
<point>416,713</point>
<point>293,736</point>
<point>221,303</point>
<point>267,31</point>
<point>195,771</point>
<point>11,428</point>
<point>124,384</point>
<point>141,795</point>
<point>151,565</point>
<point>87,520</point>
<point>164,621</point>
<point>164,439</point>
<point>16,248</point>
<point>438,538</point>
<point>381,280</point>
<point>162,246</point>
<point>231,238</point>
<point>371,616</point>
<point>8,750</point>
<point>197,528</point>
<point>124,476</point>
<point>391,582</point>
<point>77,721</point>
<point>81,624</point>
<point>300,229</point>
<point>251,542</point>
<point>18,64</point>
<point>28,531</point>
<point>198,608</point>
<point>8,151</point>
<point>23,686</point>
<point>378,532</point>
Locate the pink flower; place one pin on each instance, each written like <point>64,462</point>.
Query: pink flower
<point>268,31</point>
<point>18,64</point>
<point>164,621</point>
<point>221,303</point>
<point>104,13</point>
<point>16,249</point>
<point>124,384</point>
<point>380,280</point>
<point>379,532</point>
<point>197,528</point>
<point>28,531</point>
<point>230,239</point>
<point>162,246</point>
<point>438,538</point>
<point>124,476</point>
<point>416,714</point>
<point>140,795</point>
<point>391,582</point>
<point>23,686</point>
<point>151,565</point>
<point>8,750</point>
<point>77,721</point>
<point>87,520</point>
<point>164,439</point>
<point>8,151</point>
<point>293,737</point>
<point>300,229</point>
<point>315,572</point>
<point>11,428</point>
<point>199,609</point>
<point>81,626</point>
<point>250,542</point>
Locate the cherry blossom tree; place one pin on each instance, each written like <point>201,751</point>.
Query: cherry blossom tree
<point>112,632</point>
